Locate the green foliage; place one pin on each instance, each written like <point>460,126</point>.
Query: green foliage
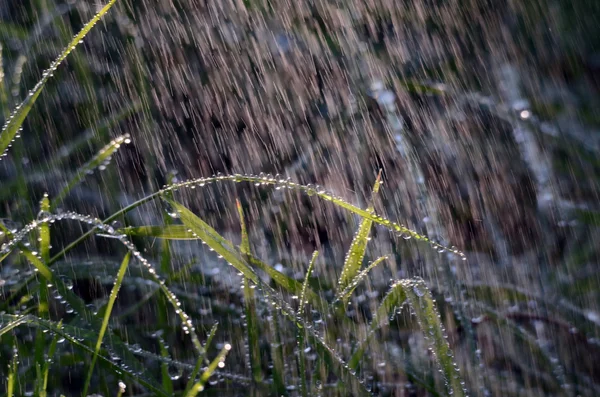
<point>341,347</point>
<point>15,121</point>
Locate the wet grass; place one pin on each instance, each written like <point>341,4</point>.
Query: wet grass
<point>288,335</point>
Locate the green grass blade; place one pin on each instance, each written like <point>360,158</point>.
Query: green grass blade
<point>218,362</point>
<point>421,301</point>
<point>15,121</point>
<point>111,301</point>
<point>213,240</point>
<point>395,298</point>
<point>101,157</point>
<point>44,230</point>
<point>226,249</point>
<point>356,253</point>
<point>300,334</point>
<point>250,305</point>
<point>47,364</point>
<point>347,292</point>
<point>167,232</point>
<point>43,305</point>
<point>12,371</point>
<point>305,283</point>
<point>167,382</point>
<point>278,361</point>
<point>200,360</point>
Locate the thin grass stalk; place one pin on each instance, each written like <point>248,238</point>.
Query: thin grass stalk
<point>111,301</point>
<point>250,305</point>
<point>200,361</point>
<point>12,372</point>
<point>218,362</point>
<point>300,333</point>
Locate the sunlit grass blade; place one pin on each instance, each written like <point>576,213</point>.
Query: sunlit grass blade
<point>226,249</point>
<point>311,266</point>
<point>15,121</point>
<point>358,247</point>
<point>200,361</point>
<point>218,362</point>
<point>76,337</point>
<point>347,292</point>
<point>111,301</point>
<point>250,305</point>
<point>98,160</point>
<point>422,304</point>
<point>12,370</point>
<point>213,240</point>
<point>300,334</point>
<point>43,305</point>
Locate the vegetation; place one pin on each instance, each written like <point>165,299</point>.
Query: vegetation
<point>301,335</point>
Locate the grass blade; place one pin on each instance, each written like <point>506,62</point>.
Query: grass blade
<point>420,300</point>
<point>167,382</point>
<point>43,305</point>
<point>100,158</point>
<point>226,249</point>
<point>218,362</point>
<point>111,301</point>
<point>347,292</point>
<point>300,334</point>
<point>395,298</point>
<point>15,121</point>
<point>200,360</point>
<point>356,253</point>
<point>305,283</point>
<point>12,372</point>
<point>250,306</point>
<point>47,363</point>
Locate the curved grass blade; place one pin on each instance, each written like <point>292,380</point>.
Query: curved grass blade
<point>282,183</point>
<point>347,292</point>
<point>422,304</point>
<point>15,121</point>
<point>99,159</point>
<point>200,360</point>
<point>356,253</point>
<point>111,301</point>
<point>218,362</point>
<point>394,299</point>
<point>76,337</point>
<point>250,305</point>
<point>167,232</point>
